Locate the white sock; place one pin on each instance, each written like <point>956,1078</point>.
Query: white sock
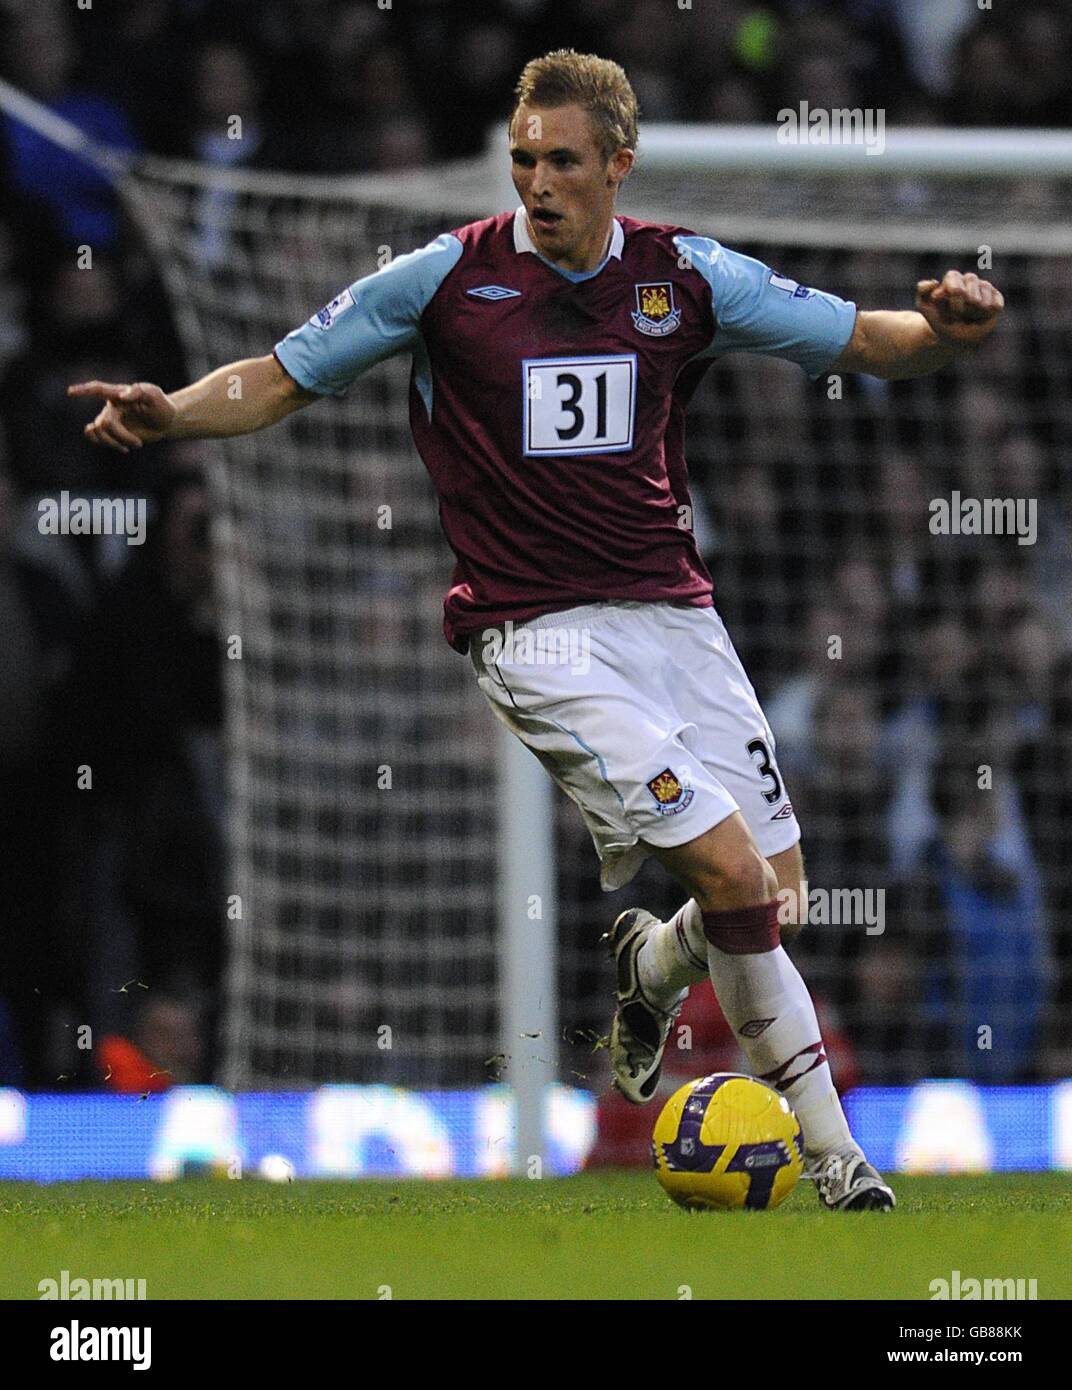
<point>768,1006</point>
<point>673,957</point>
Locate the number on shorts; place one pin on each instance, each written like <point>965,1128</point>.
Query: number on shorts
<point>767,768</point>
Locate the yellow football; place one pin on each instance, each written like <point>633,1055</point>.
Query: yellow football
<point>728,1143</point>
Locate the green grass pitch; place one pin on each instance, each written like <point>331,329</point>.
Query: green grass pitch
<point>596,1236</point>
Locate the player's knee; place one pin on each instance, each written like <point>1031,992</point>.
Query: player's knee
<point>743,879</point>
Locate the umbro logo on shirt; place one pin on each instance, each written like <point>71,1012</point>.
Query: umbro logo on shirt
<point>494,292</point>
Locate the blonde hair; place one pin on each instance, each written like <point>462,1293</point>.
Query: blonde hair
<point>598,85</point>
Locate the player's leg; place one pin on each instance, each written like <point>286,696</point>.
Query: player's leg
<point>745,877</point>
<point>788,869</point>
<point>608,732</point>
<point>672,955</point>
<point>675,956</point>
<point>764,998</point>
<point>658,738</point>
<point>758,987</point>
<point>657,961</point>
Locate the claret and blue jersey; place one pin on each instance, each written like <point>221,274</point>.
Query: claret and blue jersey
<point>548,405</point>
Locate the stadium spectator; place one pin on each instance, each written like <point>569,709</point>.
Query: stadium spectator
<point>79,327</point>
<point>844,796</point>
<point>733,99</point>
<point>930,34</point>
<point>142,708</point>
<point>948,695</point>
<point>166,1049</point>
<point>368,86</point>
<point>973,918</point>
<point>648,44</point>
<point>920,566</point>
<point>40,979</point>
<point>846,793</point>
<point>986,87</point>
<point>1043,38</point>
<point>41,58</point>
<point>142,58</point>
<point>228,125</point>
<point>481,68</point>
<point>14,296</point>
<point>1044,776</point>
<point>813,665</point>
<point>756,589</point>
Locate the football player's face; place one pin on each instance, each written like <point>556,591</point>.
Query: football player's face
<point>565,182</point>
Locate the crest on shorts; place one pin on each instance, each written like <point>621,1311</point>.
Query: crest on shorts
<point>671,794</point>
<point>656,314</point>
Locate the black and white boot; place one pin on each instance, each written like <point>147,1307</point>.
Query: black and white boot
<point>845,1181</point>
<point>640,1028</point>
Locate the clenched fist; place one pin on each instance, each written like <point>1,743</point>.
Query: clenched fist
<point>961,309</point>
<point>132,415</point>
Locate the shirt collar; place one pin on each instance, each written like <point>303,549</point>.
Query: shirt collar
<point>523,240</point>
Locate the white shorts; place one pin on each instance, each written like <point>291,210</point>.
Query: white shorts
<point>644,716</point>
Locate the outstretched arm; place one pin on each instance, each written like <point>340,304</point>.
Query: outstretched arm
<point>369,321</point>
<point>236,399</point>
<point>951,316</point>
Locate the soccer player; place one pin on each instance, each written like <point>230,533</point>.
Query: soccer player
<point>554,351</point>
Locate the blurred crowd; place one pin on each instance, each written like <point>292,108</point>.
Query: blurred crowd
<point>954,653</point>
<point>338,85</point>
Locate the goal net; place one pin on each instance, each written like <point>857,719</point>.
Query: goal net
<point>362,789</point>
<point>895,662</point>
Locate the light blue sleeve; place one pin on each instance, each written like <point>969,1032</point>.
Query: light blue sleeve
<point>374,318</point>
<point>758,310</point>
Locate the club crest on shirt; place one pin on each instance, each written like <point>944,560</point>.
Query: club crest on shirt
<point>671,794</point>
<point>656,314</point>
